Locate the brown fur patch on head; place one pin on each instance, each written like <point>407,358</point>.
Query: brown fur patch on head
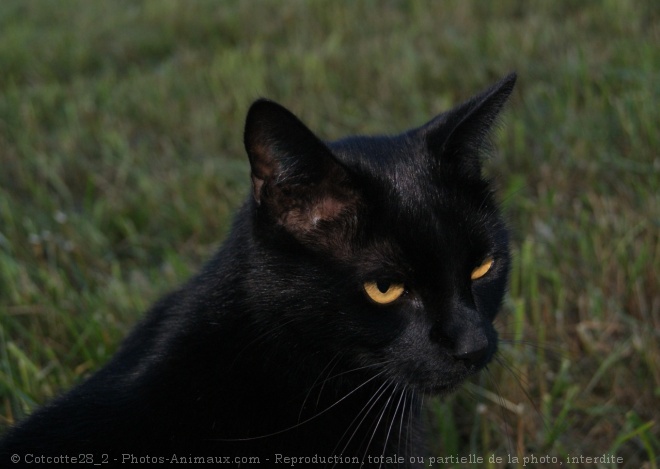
<point>321,215</point>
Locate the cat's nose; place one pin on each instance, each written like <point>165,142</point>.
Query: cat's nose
<point>464,334</point>
<point>465,338</point>
<point>470,345</point>
<point>474,354</point>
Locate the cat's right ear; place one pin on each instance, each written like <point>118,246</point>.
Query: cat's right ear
<point>295,177</point>
<point>459,138</point>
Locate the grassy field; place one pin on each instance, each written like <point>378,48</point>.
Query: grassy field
<point>121,163</point>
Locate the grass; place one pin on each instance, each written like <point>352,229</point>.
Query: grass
<point>121,163</point>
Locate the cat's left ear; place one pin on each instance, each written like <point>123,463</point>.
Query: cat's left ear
<point>459,138</point>
<point>296,179</point>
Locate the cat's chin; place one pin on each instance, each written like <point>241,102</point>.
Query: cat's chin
<point>439,389</point>
<point>442,389</point>
<point>444,385</point>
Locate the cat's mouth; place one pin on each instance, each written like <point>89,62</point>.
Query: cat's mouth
<point>441,382</point>
<point>442,389</point>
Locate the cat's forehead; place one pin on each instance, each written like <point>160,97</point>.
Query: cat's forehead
<point>403,174</point>
<point>410,198</point>
<point>397,167</point>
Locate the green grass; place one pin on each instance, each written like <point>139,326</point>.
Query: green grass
<point>121,163</point>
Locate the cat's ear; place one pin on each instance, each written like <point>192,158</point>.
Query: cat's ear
<point>459,138</point>
<point>295,177</point>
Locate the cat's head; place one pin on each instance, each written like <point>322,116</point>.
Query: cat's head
<point>386,250</point>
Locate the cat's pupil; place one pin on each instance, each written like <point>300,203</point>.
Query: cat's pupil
<point>383,285</point>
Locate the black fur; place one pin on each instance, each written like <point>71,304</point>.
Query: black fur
<point>274,348</point>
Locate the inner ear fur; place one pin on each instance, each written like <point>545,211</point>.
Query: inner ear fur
<point>296,179</point>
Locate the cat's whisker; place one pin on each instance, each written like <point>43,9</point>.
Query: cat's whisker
<point>353,370</point>
<point>401,418</point>
<point>410,420</point>
<point>279,432</point>
<point>380,418</point>
<point>517,374</point>
<point>502,405</point>
<point>411,429</point>
<point>554,351</point>
<point>507,323</point>
<point>523,385</point>
<point>311,388</point>
<point>325,381</point>
<point>365,409</point>
<point>267,333</point>
<point>393,418</point>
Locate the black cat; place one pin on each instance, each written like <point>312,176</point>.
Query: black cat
<point>360,275</point>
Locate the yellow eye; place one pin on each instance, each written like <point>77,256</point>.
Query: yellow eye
<point>383,292</point>
<point>482,269</point>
